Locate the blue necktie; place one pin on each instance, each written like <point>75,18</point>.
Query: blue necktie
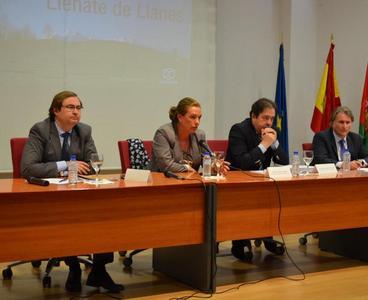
<point>65,155</point>
<point>343,149</point>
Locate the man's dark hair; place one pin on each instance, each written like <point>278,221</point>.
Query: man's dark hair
<point>260,105</point>
<point>57,102</point>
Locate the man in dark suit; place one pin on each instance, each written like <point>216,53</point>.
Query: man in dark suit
<point>329,145</point>
<point>252,145</point>
<point>47,154</point>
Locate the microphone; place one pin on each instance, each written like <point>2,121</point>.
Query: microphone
<point>203,144</point>
<point>170,174</point>
<point>37,181</point>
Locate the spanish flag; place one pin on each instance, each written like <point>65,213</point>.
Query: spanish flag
<point>328,98</point>
<point>363,120</point>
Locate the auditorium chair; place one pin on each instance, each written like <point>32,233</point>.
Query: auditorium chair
<point>125,164</point>
<point>303,240</point>
<point>16,147</point>
<point>218,145</point>
<point>125,154</point>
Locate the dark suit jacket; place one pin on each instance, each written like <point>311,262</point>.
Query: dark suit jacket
<point>325,151</point>
<point>43,148</point>
<point>243,151</point>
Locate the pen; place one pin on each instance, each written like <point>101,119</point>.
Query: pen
<point>64,179</point>
<point>84,177</point>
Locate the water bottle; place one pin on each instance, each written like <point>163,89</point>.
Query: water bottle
<point>206,164</point>
<point>346,161</point>
<point>73,169</point>
<point>295,162</point>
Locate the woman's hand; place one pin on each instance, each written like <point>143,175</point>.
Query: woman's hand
<point>225,167</point>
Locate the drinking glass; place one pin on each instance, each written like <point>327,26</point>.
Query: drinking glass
<point>219,160</point>
<point>96,161</point>
<point>307,157</point>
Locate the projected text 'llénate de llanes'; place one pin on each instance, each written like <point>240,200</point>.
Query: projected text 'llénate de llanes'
<point>118,8</point>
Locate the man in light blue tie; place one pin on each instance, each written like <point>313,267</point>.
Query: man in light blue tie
<point>330,145</point>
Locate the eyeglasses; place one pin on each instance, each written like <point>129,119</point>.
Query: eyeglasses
<point>73,107</point>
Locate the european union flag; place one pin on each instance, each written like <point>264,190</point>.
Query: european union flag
<point>280,100</point>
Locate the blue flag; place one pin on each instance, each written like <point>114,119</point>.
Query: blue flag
<point>280,100</point>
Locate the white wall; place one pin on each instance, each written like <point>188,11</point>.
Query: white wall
<point>247,41</point>
<point>303,79</point>
<point>248,36</point>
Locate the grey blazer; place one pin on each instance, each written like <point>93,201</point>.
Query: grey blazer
<point>43,148</point>
<point>166,151</point>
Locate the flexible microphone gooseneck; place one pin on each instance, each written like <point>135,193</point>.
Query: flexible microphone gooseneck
<point>170,174</point>
<point>203,144</point>
<point>37,181</point>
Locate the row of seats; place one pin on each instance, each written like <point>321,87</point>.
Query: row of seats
<point>17,145</point>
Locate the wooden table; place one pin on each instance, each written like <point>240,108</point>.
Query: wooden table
<point>61,220</point>
<point>248,205</point>
<point>178,218</point>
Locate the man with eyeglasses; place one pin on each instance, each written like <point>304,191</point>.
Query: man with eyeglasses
<point>47,154</point>
<point>252,145</point>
